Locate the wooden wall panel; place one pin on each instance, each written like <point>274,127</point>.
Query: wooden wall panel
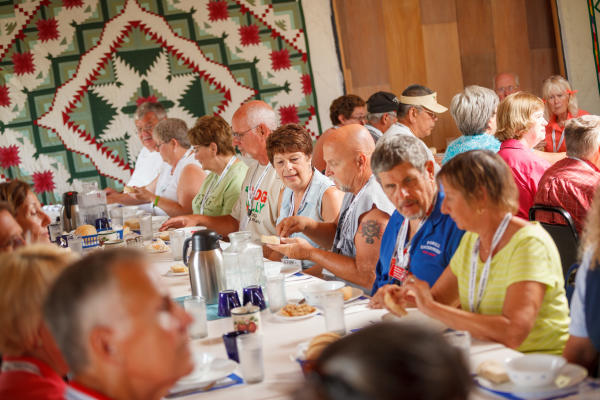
<point>543,64</point>
<point>364,44</point>
<point>438,12</point>
<point>477,47</point>
<point>444,75</point>
<point>511,39</point>
<point>404,41</point>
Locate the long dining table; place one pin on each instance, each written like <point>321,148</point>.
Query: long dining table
<point>282,374</point>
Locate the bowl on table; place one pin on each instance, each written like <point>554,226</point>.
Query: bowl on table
<point>310,290</point>
<point>532,370</point>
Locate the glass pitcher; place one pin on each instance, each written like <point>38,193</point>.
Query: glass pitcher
<point>242,263</point>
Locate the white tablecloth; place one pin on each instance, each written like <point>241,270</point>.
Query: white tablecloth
<point>281,339</point>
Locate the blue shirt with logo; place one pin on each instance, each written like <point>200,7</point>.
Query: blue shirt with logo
<point>432,246</point>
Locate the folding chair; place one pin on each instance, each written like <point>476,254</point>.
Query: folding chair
<point>565,236</point>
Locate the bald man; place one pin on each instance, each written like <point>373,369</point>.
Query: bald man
<point>256,209</point>
<point>354,240</point>
<point>506,83</point>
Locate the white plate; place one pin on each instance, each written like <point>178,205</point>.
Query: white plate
<point>153,251</point>
<point>289,270</point>
<point>356,293</point>
<point>207,371</point>
<point>175,274</point>
<point>298,318</point>
<point>417,318</point>
<point>573,371</point>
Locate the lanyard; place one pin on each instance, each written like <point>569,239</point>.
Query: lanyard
<point>349,213</point>
<point>584,162</point>
<point>402,252</point>
<point>486,268</point>
<point>560,142</point>
<point>302,201</point>
<point>214,184</point>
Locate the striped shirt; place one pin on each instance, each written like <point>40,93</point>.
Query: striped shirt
<point>530,255</point>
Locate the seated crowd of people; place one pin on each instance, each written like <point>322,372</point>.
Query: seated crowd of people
<point>367,204</point>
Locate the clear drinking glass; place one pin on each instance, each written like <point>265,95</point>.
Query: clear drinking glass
<point>251,357</point>
<point>176,239</point>
<point>332,305</point>
<point>196,307</point>
<point>276,292</point>
<point>146,226</point>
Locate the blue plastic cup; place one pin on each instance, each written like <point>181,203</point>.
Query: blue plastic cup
<point>253,294</point>
<point>228,299</point>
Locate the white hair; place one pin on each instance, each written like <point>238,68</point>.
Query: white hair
<point>473,108</point>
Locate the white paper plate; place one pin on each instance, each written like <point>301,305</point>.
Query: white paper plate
<point>172,274</point>
<point>573,371</point>
<point>207,371</point>
<point>356,293</point>
<point>298,318</point>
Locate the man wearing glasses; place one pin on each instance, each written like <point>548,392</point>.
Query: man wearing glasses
<point>417,115</point>
<point>506,83</point>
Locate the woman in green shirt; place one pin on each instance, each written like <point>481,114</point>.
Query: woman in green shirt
<point>505,275</point>
<point>212,142</point>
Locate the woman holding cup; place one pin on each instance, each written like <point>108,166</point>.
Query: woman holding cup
<point>506,274</point>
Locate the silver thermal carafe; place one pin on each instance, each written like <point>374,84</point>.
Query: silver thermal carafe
<point>205,262</point>
<point>70,211</point>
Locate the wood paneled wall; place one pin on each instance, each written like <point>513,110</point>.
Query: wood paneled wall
<point>444,45</point>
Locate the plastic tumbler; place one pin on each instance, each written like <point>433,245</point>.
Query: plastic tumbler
<point>253,294</point>
<point>276,292</point>
<point>196,307</point>
<point>332,305</point>
<point>176,239</point>
<point>251,357</point>
<point>146,226</point>
<point>228,299</point>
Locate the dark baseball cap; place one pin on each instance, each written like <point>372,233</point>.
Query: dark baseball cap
<point>382,102</point>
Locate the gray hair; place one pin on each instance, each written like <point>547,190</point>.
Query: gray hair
<point>473,108</point>
<point>412,91</point>
<point>582,136</point>
<point>84,296</point>
<point>376,117</point>
<point>172,128</point>
<point>148,107</point>
<point>395,149</point>
<point>262,115</point>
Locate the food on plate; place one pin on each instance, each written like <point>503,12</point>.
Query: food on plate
<point>347,292</point>
<point>493,371</point>
<point>270,239</point>
<point>164,236</point>
<point>393,306</point>
<point>157,245</point>
<point>562,381</point>
<point>128,189</point>
<point>318,344</point>
<point>133,224</point>
<point>296,310</point>
<point>178,268</point>
<point>85,230</point>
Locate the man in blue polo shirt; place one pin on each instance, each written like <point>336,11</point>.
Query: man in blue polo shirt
<point>418,239</point>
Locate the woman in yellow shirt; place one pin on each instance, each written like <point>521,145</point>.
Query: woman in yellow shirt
<point>506,274</point>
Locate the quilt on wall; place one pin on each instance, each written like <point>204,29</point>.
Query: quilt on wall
<point>73,71</point>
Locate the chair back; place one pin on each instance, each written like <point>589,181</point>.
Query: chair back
<point>565,237</point>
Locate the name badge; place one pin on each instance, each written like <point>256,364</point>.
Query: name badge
<point>397,271</point>
<point>291,261</point>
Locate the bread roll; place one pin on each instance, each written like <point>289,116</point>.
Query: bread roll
<point>318,344</point>
<point>133,224</point>
<point>164,236</point>
<point>85,230</point>
<point>347,292</point>
<point>493,371</point>
<point>178,268</point>
<point>270,239</point>
<point>393,306</point>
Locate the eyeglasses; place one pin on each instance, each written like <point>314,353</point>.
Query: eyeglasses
<point>430,113</point>
<point>239,135</point>
<point>158,146</point>
<point>506,89</point>
<point>361,117</point>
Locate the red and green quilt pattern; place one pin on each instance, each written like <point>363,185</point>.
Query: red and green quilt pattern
<point>73,71</point>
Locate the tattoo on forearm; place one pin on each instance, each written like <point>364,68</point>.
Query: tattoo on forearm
<point>371,229</point>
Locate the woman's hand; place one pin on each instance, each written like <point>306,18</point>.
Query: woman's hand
<point>420,291</point>
<point>176,222</point>
<point>143,194</point>
<point>296,248</point>
<point>399,294</point>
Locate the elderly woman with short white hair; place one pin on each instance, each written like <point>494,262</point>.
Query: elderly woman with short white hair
<point>177,186</point>
<point>474,111</point>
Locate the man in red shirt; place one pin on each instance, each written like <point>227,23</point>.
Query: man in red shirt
<point>571,182</point>
<point>122,335</point>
